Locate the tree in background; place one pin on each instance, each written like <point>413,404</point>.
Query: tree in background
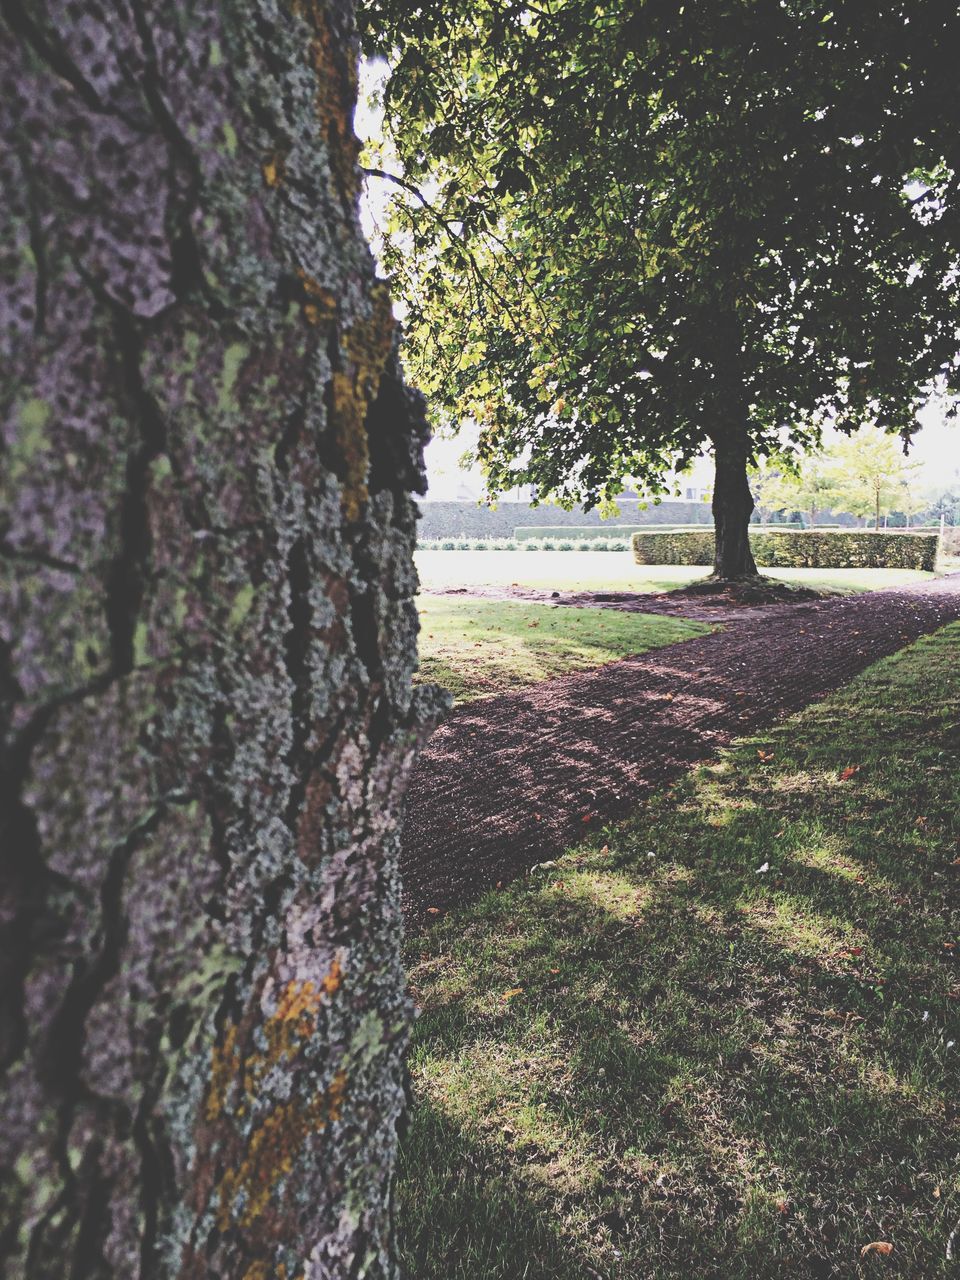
<point>945,501</point>
<point>622,235</point>
<point>871,476</point>
<point>207,635</point>
<point>805,489</point>
<point>863,475</point>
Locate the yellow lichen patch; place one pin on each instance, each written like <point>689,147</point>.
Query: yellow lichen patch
<point>224,1071</point>
<point>322,306</point>
<point>299,1000</point>
<point>273,169</point>
<point>335,1095</point>
<point>369,342</point>
<point>348,413</point>
<point>336,71</point>
<point>331,982</point>
<point>271,1151</point>
<point>287,1030</point>
<point>367,346</point>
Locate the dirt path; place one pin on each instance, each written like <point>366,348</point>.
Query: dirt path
<point>513,780</point>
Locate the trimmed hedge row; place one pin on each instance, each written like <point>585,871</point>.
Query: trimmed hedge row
<point>577,533</point>
<point>587,532</point>
<point>802,549</point>
<point>525,544</point>
<point>673,548</point>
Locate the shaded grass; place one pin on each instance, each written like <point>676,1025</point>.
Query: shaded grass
<point>655,1059</point>
<point>616,571</point>
<point>481,647</point>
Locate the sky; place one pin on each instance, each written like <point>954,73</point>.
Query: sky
<point>936,447</point>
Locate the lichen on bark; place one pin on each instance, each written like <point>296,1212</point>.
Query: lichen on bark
<point>207,635</point>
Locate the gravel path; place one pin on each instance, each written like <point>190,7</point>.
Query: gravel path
<point>513,780</point>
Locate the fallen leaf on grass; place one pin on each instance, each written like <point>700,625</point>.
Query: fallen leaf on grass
<point>847,773</point>
<point>881,1247</point>
<point>514,991</point>
<point>764,755</point>
<point>433,911</point>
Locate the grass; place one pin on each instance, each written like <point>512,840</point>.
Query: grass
<point>481,647</point>
<point>616,571</point>
<point>657,1059</point>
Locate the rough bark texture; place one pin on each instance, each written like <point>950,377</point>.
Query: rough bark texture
<point>207,634</point>
<point>732,506</point>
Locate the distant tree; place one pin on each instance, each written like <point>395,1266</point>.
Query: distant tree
<point>802,487</point>
<point>912,501</point>
<point>945,501</point>
<point>623,234</point>
<point>870,475</point>
<point>207,637</point>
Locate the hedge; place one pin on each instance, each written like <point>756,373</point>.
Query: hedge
<point>802,549</point>
<point>589,532</point>
<point>605,543</point>
<point>578,533</point>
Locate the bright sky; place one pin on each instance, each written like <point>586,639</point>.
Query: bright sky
<point>936,447</point>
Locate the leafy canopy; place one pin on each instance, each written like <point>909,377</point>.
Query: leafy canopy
<point>627,231</point>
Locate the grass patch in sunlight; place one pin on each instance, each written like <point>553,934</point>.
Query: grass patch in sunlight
<point>482,647</point>
<point>655,1059</point>
<point>616,571</point>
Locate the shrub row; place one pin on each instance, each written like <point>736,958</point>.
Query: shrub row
<point>525,544</point>
<point>578,533</point>
<point>538,532</point>
<point>802,549</point>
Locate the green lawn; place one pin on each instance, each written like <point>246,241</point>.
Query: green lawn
<point>719,1041</point>
<point>616,571</point>
<point>481,647</point>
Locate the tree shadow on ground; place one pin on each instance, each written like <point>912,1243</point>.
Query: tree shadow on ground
<point>685,1065</point>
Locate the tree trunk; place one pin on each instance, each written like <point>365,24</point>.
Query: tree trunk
<point>207,636</point>
<point>732,506</point>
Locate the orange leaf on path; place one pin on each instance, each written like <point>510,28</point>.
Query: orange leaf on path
<point>847,773</point>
